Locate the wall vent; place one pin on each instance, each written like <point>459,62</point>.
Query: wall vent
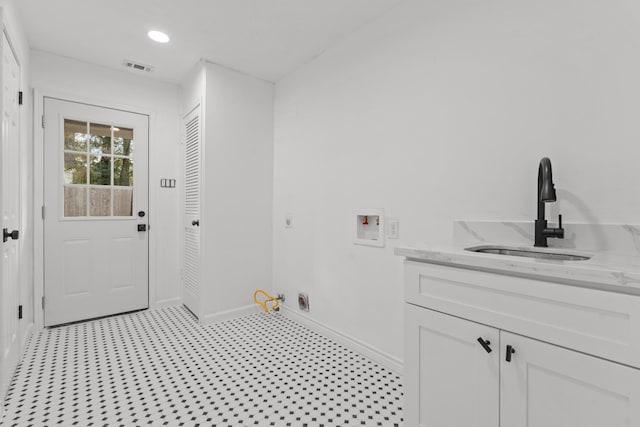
<point>137,66</point>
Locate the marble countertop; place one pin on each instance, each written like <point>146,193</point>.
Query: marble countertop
<point>606,270</point>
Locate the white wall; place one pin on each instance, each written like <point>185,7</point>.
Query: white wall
<point>193,88</point>
<point>80,80</point>
<point>238,196</point>
<point>438,111</point>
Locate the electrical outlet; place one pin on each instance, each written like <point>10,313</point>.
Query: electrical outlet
<point>393,228</point>
<point>303,302</point>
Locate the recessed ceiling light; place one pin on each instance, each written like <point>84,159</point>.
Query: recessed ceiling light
<point>158,36</point>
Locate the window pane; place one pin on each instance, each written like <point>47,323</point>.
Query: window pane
<point>123,141</point>
<point>75,135</point>
<point>75,168</point>
<point>123,202</point>
<point>100,201</point>
<point>100,139</point>
<point>75,201</point>
<point>123,172</point>
<point>100,170</point>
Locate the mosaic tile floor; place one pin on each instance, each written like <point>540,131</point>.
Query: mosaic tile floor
<point>160,368</point>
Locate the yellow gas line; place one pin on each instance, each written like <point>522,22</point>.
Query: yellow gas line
<point>268,298</point>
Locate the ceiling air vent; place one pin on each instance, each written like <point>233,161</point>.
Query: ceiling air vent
<point>137,66</point>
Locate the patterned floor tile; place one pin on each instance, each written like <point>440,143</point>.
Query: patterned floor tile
<point>161,368</point>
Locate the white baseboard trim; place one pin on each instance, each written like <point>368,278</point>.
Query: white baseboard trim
<point>25,337</point>
<point>23,343</point>
<point>390,362</point>
<point>165,303</point>
<point>230,314</point>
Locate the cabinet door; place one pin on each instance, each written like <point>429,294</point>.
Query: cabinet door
<point>549,386</point>
<point>450,379</point>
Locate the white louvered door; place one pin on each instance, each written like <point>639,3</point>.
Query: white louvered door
<point>192,204</point>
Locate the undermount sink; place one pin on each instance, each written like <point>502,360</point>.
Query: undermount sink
<point>505,250</point>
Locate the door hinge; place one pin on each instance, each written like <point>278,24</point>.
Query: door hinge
<point>43,121</point>
<point>42,211</point>
<point>19,312</point>
<point>20,98</point>
<point>43,303</point>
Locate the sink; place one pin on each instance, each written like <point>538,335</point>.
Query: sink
<point>505,250</point>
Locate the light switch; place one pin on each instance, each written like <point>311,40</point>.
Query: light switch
<point>393,228</point>
<point>288,221</point>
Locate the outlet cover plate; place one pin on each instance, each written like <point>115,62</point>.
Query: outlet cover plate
<point>303,301</point>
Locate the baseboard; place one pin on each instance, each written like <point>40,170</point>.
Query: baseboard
<point>23,342</point>
<point>165,303</point>
<point>230,314</point>
<point>25,337</point>
<point>392,363</point>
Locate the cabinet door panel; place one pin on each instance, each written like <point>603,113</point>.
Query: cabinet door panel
<point>549,386</point>
<point>450,380</point>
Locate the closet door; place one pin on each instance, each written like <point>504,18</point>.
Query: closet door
<point>192,209</point>
<point>10,218</point>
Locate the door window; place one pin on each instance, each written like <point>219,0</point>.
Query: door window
<point>98,170</point>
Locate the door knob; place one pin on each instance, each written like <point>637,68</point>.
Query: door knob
<point>15,234</point>
<point>510,351</point>
<point>485,344</point>
<point>195,222</point>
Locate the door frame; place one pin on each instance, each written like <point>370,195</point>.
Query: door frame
<point>39,94</point>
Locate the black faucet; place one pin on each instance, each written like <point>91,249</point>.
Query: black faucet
<point>546,194</point>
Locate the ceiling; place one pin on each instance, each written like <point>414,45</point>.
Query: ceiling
<point>264,38</point>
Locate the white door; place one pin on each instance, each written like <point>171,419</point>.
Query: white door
<point>96,211</point>
<point>451,378</point>
<point>547,386</point>
<point>191,213</point>
<point>10,199</point>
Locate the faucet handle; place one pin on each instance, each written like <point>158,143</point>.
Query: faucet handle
<point>559,232</point>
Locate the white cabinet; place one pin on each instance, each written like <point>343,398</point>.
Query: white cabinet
<point>605,324</point>
<point>452,381</point>
<point>548,386</point>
